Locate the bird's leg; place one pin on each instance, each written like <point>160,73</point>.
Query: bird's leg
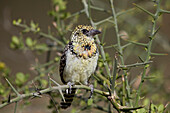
<point>91,91</point>
<point>70,84</point>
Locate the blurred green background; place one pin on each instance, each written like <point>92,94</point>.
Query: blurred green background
<point>133,23</point>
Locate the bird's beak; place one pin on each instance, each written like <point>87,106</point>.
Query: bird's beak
<point>94,32</point>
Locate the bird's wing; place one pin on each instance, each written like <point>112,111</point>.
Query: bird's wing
<point>63,63</point>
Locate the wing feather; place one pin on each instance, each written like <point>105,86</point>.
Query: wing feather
<point>63,62</point>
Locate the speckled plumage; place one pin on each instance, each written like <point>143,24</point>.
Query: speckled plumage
<point>80,56</point>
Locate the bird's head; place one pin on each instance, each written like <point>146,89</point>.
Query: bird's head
<point>84,33</point>
<point>83,41</point>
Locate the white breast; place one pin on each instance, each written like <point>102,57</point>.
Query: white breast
<point>78,69</point>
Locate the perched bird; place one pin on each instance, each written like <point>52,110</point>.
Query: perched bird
<point>79,60</point>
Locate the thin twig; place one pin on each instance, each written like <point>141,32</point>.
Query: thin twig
<point>12,87</point>
<point>16,104</point>
<point>134,65</point>
<point>60,91</point>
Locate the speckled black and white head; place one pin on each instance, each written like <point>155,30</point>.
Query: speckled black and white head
<point>83,41</point>
<point>83,32</point>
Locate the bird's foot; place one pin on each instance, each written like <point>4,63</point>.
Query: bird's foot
<point>70,84</point>
<point>91,91</point>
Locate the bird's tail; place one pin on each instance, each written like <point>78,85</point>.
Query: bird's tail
<point>68,95</point>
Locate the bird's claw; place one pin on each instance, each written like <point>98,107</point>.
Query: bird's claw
<point>91,91</point>
<point>70,87</point>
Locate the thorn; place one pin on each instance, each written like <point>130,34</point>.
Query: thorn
<point>9,98</point>
<point>36,89</point>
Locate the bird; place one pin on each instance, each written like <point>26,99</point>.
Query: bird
<point>78,61</point>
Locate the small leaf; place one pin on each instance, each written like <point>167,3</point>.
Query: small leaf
<point>95,83</point>
<point>19,21</point>
<point>33,25</point>
<point>21,78</point>
<point>90,102</point>
<point>12,45</point>
<point>161,108</point>
<point>42,47</point>
<point>29,42</point>
<point>73,110</point>
<point>2,66</point>
<point>146,102</point>
<point>141,110</point>
<point>147,65</point>
<point>14,22</point>
<point>38,29</point>
<point>15,40</point>
<point>82,103</point>
<point>26,30</point>
<point>44,82</point>
<point>2,89</point>
<point>57,59</point>
<point>153,107</point>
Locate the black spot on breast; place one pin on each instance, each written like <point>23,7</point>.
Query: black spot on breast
<point>87,47</point>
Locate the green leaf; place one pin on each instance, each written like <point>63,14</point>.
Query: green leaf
<point>2,89</point>
<point>161,108</point>
<point>38,29</point>
<point>90,102</point>
<point>73,110</point>
<point>21,78</point>
<point>26,30</point>
<point>146,102</point>
<point>12,45</point>
<point>153,108</point>
<point>29,42</point>
<point>33,25</point>
<point>82,103</point>
<point>15,40</point>
<point>57,59</point>
<point>14,22</point>
<point>141,110</point>
<point>147,65</point>
<point>19,20</point>
<point>95,83</point>
<point>42,47</point>
<point>44,82</point>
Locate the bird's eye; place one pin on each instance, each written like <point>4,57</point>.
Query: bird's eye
<point>84,31</point>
